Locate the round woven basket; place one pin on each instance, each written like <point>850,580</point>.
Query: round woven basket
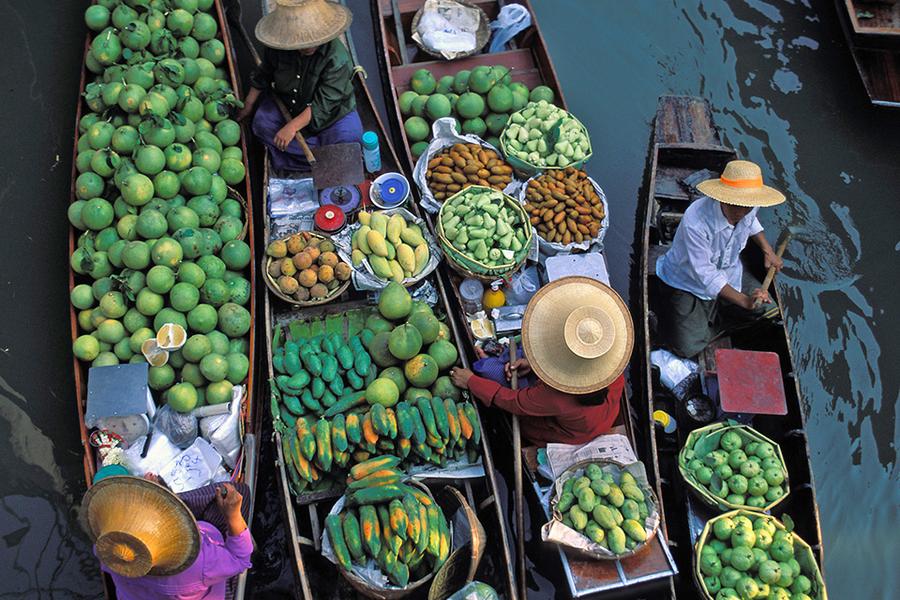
<point>651,501</point>
<point>273,285</point>
<point>703,493</point>
<point>390,593</point>
<point>481,36</point>
<point>468,266</point>
<point>463,562</point>
<point>802,553</point>
<point>525,169</point>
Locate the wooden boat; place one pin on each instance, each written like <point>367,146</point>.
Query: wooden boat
<point>246,469</point>
<point>315,576</point>
<point>872,28</point>
<point>685,141</point>
<point>529,60</point>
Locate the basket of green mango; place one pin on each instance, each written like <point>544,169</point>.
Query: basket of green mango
<point>730,466</point>
<point>484,233</point>
<point>746,554</point>
<point>603,509</point>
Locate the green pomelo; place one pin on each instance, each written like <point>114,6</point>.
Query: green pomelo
<point>542,92</point>
<point>183,297</point>
<point>500,99</point>
<point>228,228</point>
<point>412,394</point>
<point>105,359</point>
<point>137,189</point>
<point>213,51</point>
<point>160,279</point>
<point>444,85</point>
<point>190,272</point>
<point>422,82</point>
<point>396,375</point>
<point>474,126</point>
<point>149,160</point>
<point>205,208</point>
<point>196,181</point>
<point>182,217</point>
<point>421,370</point>
<point>219,392</point>
<point>418,149</point>
<point>238,367</point>
<point>394,301</point>
<point>134,320</point>
<point>81,296</point>
<point>470,105</point>
<point>443,388</point>
<point>182,397</point>
<point>178,157</point>
<point>235,254</point>
<point>215,292</point>
<point>233,152</point>
<point>496,122</point>
<point>167,251</point>
<point>482,79</point>
<point>148,302</point>
<point>418,105</point>
<point>232,171</point>
<point>139,337</point>
<point>234,319</point>
<point>151,224</point>
<point>438,106</point>
<point>405,341</point>
<point>97,214</point>
<point>135,35</point>
<point>105,162</point>
<point>166,184</point>
<point>125,139</point>
<point>113,305</point>
<point>405,101</point>
<point>214,367</point>
<point>160,378</point>
<point>417,129</point>
<point>86,347</point>
<point>74,214</point>
<point>100,134</point>
<point>444,353</point>
<point>379,350</point>
<point>382,391</point>
<point>195,348</point>
<point>111,331</point>
<point>122,350</point>
<point>136,255</point>
<point>96,17</point>
<point>240,290</point>
<point>228,132</point>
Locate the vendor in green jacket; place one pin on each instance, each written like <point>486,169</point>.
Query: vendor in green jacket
<point>309,69</point>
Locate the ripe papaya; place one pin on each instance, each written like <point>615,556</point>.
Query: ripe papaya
<point>465,426</point>
<point>339,434</point>
<point>368,430</point>
<point>422,542</point>
<point>404,447</point>
<point>392,423</point>
<point>399,575</point>
<point>376,479</point>
<point>399,520</point>
<point>440,418</point>
<point>427,413</point>
<point>434,530</point>
<point>452,418</point>
<point>354,430</point>
<point>411,506</point>
<point>419,435</point>
<point>371,530</point>
<point>305,438</point>
<point>341,458</point>
<point>324,456</point>
<point>444,551</point>
<point>472,413</point>
<point>336,534</point>
<point>373,465</point>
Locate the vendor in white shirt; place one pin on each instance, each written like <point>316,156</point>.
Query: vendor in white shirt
<point>704,284</point>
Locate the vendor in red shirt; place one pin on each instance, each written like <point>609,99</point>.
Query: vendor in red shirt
<point>577,335</point>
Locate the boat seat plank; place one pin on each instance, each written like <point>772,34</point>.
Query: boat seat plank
<point>521,61</point>
<point>668,183</point>
<point>882,73</point>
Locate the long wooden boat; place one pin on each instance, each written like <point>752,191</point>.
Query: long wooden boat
<point>529,60</point>
<point>686,140</point>
<point>315,576</point>
<point>651,572</point>
<point>246,470</point>
<point>872,29</point>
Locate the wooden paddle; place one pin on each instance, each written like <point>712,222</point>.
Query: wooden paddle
<point>517,475</point>
<point>770,274</point>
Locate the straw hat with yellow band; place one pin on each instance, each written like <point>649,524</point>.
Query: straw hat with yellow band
<point>741,184</point>
<point>298,24</point>
<point>577,334</point>
<point>139,527</point>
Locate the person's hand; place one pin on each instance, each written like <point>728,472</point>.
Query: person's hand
<point>520,365</point>
<point>479,352</point>
<point>243,113</point>
<point>229,500</point>
<point>460,377</point>
<point>773,260</point>
<point>757,297</point>
<point>285,136</point>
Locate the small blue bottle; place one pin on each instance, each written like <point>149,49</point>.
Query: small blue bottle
<point>371,152</point>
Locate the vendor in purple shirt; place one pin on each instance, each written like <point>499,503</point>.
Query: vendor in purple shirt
<point>704,287</point>
<point>150,544</point>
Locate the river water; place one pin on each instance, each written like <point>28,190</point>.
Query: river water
<point>786,95</point>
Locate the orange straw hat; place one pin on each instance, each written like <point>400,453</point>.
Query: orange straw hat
<point>298,24</point>
<point>741,184</point>
<point>139,527</point>
<point>577,334</point>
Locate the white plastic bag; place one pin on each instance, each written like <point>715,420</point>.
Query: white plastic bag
<point>511,19</point>
<point>224,431</point>
<point>672,369</point>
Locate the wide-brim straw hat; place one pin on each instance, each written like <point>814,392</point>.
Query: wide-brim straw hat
<point>577,334</point>
<point>139,527</point>
<point>741,184</point>
<point>298,24</point>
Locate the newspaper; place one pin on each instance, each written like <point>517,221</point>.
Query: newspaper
<point>614,446</point>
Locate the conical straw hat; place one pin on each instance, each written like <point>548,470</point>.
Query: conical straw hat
<point>578,335</point>
<point>297,24</point>
<point>741,184</point>
<point>139,527</point>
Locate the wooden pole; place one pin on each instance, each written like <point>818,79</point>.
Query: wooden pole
<point>770,274</point>
<point>517,474</point>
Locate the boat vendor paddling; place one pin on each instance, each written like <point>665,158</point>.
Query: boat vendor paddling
<point>577,336</point>
<point>704,285</point>
<point>309,69</point>
<point>152,546</point>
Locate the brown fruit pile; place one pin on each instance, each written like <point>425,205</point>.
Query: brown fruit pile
<point>564,206</point>
<point>462,165</point>
<point>306,267</point>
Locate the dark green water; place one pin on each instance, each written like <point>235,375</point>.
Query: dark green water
<point>785,93</point>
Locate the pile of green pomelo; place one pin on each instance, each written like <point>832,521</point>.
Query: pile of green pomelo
<point>160,235</point>
<point>481,100</point>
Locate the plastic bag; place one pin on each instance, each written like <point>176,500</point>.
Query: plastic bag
<point>672,369</point>
<point>445,133</point>
<point>180,428</point>
<point>475,590</point>
<point>448,28</point>
<point>224,431</point>
<point>523,286</point>
<point>512,19</point>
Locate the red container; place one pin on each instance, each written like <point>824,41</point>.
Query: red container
<point>330,219</point>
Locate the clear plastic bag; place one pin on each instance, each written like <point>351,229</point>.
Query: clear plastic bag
<point>523,286</point>
<point>180,428</point>
<point>512,19</point>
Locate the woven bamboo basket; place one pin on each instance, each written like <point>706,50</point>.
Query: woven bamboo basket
<point>468,266</point>
<point>463,562</point>
<point>369,590</point>
<point>233,193</point>
<point>652,508</point>
<point>525,169</point>
<point>803,554</point>
<point>713,432</point>
<point>273,285</point>
<point>482,36</point>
